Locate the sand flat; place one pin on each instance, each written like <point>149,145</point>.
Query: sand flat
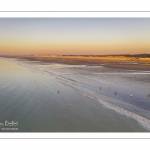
<point>116,62</point>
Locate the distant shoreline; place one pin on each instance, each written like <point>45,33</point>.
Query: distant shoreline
<point>128,62</point>
<point>144,57</point>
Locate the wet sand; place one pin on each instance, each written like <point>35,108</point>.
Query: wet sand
<point>110,62</point>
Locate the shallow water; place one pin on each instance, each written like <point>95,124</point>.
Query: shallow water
<point>29,95</point>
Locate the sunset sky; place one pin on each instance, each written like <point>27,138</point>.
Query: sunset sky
<point>74,36</point>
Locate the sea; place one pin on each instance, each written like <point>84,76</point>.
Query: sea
<point>39,96</point>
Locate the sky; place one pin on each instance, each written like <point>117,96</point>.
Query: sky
<point>74,36</point>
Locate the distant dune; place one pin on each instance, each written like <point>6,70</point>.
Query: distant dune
<point>105,57</point>
<point>141,57</point>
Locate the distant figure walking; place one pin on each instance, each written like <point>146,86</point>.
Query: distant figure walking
<point>115,93</point>
<point>131,96</point>
<point>100,88</point>
<point>109,87</point>
<point>58,92</point>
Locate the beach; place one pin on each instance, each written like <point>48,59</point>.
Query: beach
<point>116,62</point>
<point>63,94</point>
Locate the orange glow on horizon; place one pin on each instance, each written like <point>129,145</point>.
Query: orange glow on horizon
<point>73,48</point>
